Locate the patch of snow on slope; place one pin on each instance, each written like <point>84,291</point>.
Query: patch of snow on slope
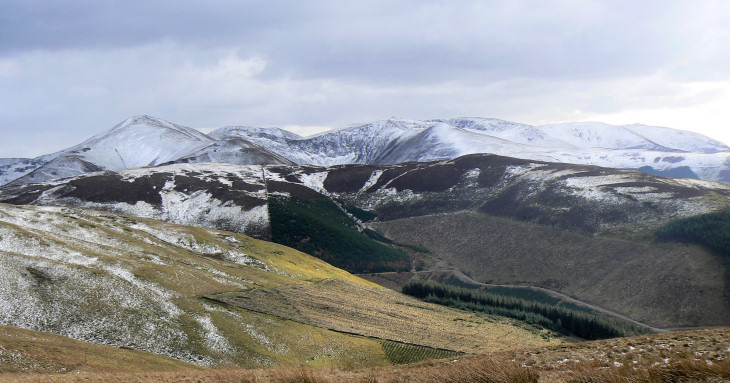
<point>213,338</point>
<point>201,209</point>
<point>592,182</point>
<point>32,246</point>
<point>139,209</point>
<point>700,184</point>
<point>64,309</point>
<point>120,271</point>
<point>592,187</point>
<point>244,259</point>
<point>387,194</point>
<point>188,242</point>
<point>206,171</point>
<point>634,189</point>
<point>272,175</point>
<point>374,177</point>
<point>314,181</point>
<point>515,171</point>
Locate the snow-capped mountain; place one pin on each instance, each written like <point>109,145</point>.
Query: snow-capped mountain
<point>249,131</point>
<point>362,144</point>
<point>233,151</point>
<point>136,142</point>
<point>147,141</point>
<point>592,135</point>
<point>595,134</point>
<point>394,141</point>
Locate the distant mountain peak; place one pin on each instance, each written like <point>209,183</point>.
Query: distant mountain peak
<point>145,121</point>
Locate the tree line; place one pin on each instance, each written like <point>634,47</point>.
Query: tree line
<point>583,324</point>
<point>711,230</point>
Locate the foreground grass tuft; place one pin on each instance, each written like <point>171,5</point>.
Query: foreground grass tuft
<point>300,375</point>
<point>482,370</point>
<point>683,356</point>
<point>681,371</point>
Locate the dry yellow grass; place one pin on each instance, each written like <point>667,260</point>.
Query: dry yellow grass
<point>381,313</point>
<point>385,314</point>
<point>481,370</point>
<point>685,356</point>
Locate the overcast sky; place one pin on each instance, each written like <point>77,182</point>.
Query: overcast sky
<point>72,69</point>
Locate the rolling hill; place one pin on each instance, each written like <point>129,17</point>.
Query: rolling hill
<point>25,351</point>
<point>582,231</point>
<point>151,237</point>
<point>212,297</point>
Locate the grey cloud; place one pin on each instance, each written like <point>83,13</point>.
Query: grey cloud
<point>79,24</point>
<point>72,69</point>
<point>406,42</point>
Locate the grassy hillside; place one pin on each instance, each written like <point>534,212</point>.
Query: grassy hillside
<point>180,291</point>
<point>24,350</point>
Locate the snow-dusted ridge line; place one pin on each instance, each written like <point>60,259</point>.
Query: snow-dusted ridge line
<point>396,140</point>
<point>236,197</point>
<point>136,142</point>
<point>147,141</point>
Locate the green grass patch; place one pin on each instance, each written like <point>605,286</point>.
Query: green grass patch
<point>403,353</point>
<point>320,228</point>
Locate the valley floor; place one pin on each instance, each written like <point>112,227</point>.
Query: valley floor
<point>696,356</point>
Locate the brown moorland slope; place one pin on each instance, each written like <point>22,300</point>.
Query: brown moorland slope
<point>683,356</point>
<point>663,284</point>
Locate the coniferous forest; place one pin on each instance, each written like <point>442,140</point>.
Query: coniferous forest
<point>562,319</point>
<point>710,230</point>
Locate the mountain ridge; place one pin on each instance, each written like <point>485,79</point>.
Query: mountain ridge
<point>149,141</point>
